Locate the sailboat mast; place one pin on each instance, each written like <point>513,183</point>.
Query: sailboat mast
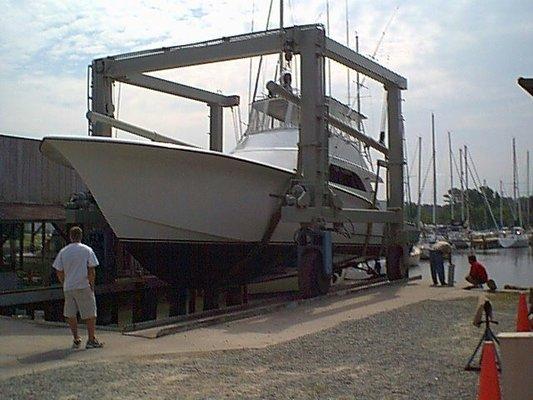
<point>419,211</point>
<point>358,88</point>
<point>452,198</point>
<point>514,171</point>
<point>527,189</point>
<point>467,206</point>
<point>461,179</point>
<point>501,204</point>
<point>516,191</point>
<point>434,169</point>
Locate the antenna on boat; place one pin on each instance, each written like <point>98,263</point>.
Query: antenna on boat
<point>261,57</point>
<point>251,64</point>
<point>347,45</point>
<point>281,78</point>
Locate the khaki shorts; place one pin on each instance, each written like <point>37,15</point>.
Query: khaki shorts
<point>80,300</point>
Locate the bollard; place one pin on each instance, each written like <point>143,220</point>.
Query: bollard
<point>451,274</point>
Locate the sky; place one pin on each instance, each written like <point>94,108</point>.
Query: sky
<point>461,59</point>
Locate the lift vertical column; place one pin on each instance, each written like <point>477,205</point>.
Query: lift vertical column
<point>313,139</point>
<point>101,97</point>
<point>396,267</point>
<point>216,127</point>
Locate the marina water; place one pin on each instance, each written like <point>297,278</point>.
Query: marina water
<point>506,266</point>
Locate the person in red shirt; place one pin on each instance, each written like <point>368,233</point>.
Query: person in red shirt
<point>478,274</point>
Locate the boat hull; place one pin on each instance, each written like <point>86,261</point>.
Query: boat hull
<point>514,242</point>
<point>180,210</point>
<point>169,193</point>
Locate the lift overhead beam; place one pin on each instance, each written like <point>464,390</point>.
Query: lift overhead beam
<point>232,48</point>
<point>365,66</point>
<point>177,89</point>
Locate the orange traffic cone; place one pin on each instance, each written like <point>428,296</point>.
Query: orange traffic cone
<point>489,381</point>
<point>522,321</point>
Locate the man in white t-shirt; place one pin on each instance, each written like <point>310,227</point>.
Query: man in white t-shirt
<point>75,268</point>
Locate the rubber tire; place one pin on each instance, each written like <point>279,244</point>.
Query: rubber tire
<point>312,281</point>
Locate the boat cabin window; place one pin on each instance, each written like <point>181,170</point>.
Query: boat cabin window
<point>272,113</point>
<point>345,177</point>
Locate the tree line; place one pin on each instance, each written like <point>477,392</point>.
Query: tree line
<point>480,217</point>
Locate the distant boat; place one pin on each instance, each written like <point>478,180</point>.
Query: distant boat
<point>485,240</point>
<point>515,237</point>
<point>458,238</point>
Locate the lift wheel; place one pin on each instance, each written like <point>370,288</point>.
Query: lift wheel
<point>312,280</point>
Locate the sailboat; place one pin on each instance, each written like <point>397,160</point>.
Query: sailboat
<point>516,236</point>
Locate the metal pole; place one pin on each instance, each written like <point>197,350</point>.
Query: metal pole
<point>313,140</point>
<point>216,124</point>
<point>434,219</point>
<point>396,268</point>
<point>452,198</point>
<point>102,97</point>
<point>419,211</point>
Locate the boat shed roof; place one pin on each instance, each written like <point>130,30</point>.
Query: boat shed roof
<point>10,212</point>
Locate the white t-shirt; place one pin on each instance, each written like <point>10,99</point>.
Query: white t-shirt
<point>74,259</point>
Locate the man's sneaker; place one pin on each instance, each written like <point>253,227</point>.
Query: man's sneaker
<point>76,343</point>
<point>94,344</point>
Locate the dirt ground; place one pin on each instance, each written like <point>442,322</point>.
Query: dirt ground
<point>392,342</point>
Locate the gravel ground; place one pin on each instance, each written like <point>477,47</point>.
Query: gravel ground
<point>416,352</point>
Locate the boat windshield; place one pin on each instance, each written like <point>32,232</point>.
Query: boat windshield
<point>272,113</point>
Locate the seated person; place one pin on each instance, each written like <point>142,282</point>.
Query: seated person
<point>478,275</point>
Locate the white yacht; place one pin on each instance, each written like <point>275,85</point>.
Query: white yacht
<point>514,237</point>
<point>164,200</point>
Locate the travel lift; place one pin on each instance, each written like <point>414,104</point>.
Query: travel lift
<point>309,200</point>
